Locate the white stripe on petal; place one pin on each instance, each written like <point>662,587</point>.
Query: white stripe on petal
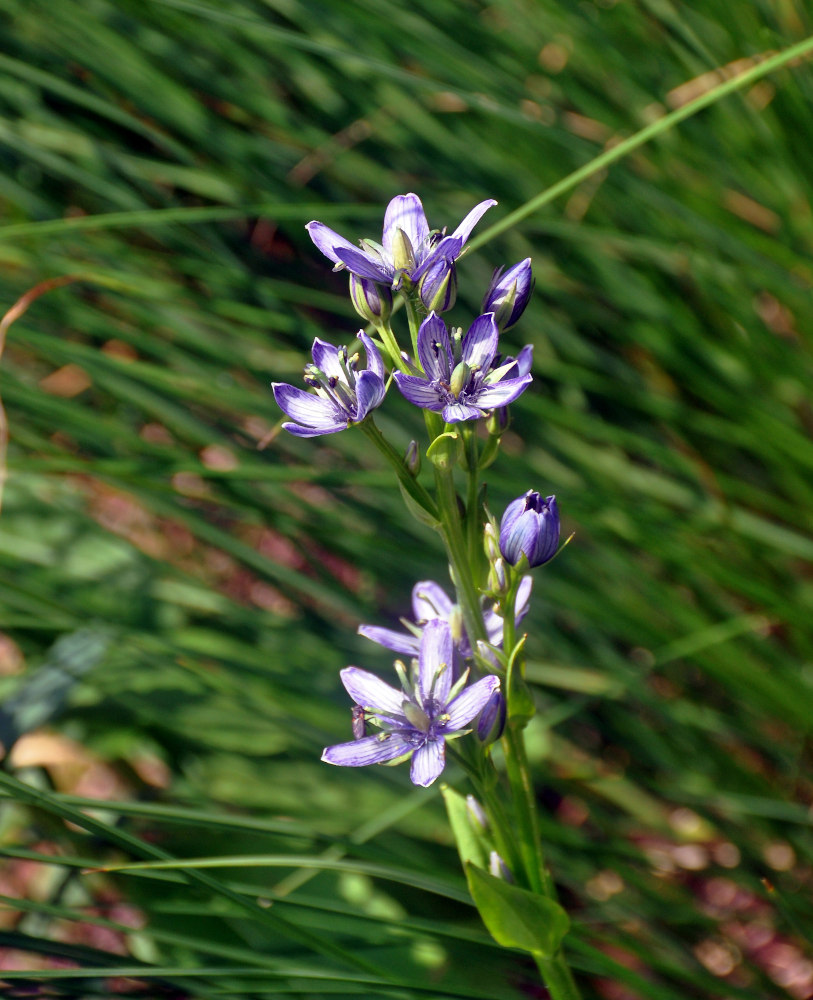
<point>427,763</point>
<point>470,702</point>
<point>367,750</point>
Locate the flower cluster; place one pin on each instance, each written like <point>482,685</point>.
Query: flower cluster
<point>463,377</point>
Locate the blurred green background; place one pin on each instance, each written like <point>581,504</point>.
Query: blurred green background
<point>176,602</point>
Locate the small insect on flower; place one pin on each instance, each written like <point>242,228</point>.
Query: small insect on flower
<point>359,722</point>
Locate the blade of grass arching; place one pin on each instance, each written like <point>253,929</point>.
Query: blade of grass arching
<point>626,146</point>
<point>128,842</point>
<point>321,863</point>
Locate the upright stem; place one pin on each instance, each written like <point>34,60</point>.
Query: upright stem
<point>557,977</point>
<point>405,477</point>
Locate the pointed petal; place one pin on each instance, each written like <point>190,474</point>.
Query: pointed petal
<point>327,240</point>
<point>360,263</point>
<point>523,601</point>
<point>525,359</point>
<point>398,642</point>
<point>326,358</point>
<point>298,430</point>
<point>369,393</point>
<point>447,250</point>
<point>435,666</point>
<point>480,343</point>
<point>405,212</point>
<point>418,391</point>
<point>430,600</point>
<point>368,750</point>
<point>470,702</point>
<point>371,692</point>
<point>374,362</point>
<point>471,220</point>
<point>501,393</point>
<point>305,408</point>
<point>454,413</point>
<point>427,763</point>
<point>434,348</point>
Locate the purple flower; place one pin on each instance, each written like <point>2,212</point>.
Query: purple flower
<point>417,720</point>
<point>344,395</point>
<point>530,527</point>
<point>460,381</point>
<point>430,602</point>
<point>508,293</point>
<point>407,249</point>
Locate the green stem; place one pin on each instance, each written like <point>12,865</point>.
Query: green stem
<point>452,530</point>
<point>390,343</point>
<point>557,977</point>
<point>405,477</point>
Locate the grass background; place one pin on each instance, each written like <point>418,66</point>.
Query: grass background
<point>176,603</point>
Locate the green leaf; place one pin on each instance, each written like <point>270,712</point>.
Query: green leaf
<point>446,450</point>
<point>472,843</point>
<point>516,918</point>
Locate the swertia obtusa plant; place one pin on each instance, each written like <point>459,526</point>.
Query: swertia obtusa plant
<point>461,687</point>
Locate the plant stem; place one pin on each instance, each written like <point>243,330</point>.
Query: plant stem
<point>410,484</point>
<point>557,977</point>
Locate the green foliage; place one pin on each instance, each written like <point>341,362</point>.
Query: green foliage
<point>170,153</point>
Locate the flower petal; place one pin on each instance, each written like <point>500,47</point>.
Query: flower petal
<point>369,393</point>
<point>326,359</point>
<point>309,432</point>
<point>374,361</point>
<point>434,348</point>
<point>454,413</point>
<point>368,750</point>
<point>371,692</point>
<point>305,408</point>
<point>364,266</point>
<point>480,343</point>
<point>501,393</point>
<point>427,763</point>
<point>327,240</point>
<point>435,663</point>
<point>470,702</point>
<point>430,600</point>
<point>398,642</point>
<point>405,212</point>
<point>419,391</point>
<point>471,220</point>
<point>446,251</point>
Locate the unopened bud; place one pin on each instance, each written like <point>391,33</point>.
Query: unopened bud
<point>491,541</point>
<point>412,458</point>
<point>491,723</point>
<point>476,813</point>
<point>498,577</point>
<point>530,527</point>
<point>371,301</point>
<point>508,294</point>
<point>438,287</point>
<point>498,868</point>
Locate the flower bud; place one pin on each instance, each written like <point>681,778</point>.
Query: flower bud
<point>438,287</point>
<point>530,527</point>
<point>498,868</point>
<point>497,577</point>
<point>477,814</point>
<point>371,301</point>
<point>491,723</point>
<point>508,294</point>
<point>412,458</point>
<point>491,543</point>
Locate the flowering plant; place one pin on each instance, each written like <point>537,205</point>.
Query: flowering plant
<point>462,689</point>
